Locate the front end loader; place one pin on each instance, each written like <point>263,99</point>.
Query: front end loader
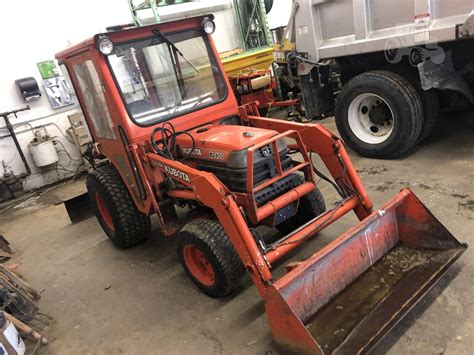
<point>164,119</point>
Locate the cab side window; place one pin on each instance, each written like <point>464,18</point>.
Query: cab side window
<point>94,99</point>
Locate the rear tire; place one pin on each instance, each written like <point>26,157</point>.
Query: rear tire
<point>115,209</point>
<point>379,114</point>
<point>310,206</point>
<point>209,258</point>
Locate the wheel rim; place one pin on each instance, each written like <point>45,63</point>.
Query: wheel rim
<point>198,265</point>
<point>371,118</point>
<point>104,211</point>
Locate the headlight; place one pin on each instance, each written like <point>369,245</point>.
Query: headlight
<point>105,45</point>
<point>208,26</point>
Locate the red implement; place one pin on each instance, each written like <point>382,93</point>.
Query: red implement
<point>173,137</point>
<point>347,297</point>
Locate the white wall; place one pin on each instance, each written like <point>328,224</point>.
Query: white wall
<point>33,31</point>
<point>280,13</point>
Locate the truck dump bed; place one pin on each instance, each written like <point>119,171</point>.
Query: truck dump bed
<point>332,28</point>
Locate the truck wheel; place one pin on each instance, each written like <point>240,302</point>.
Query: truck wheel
<point>379,114</point>
<point>209,258</point>
<point>311,206</point>
<point>123,223</point>
<point>430,100</point>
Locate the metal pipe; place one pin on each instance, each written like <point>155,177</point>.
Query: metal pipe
<point>182,194</point>
<point>308,231</point>
<point>33,128</point>
<point>57,113</point>
<point>133,164</point>
<point>15,139</point>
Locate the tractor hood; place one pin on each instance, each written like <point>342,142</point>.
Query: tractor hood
<point>227,144</point>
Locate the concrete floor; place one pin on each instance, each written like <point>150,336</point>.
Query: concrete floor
<point>106,300</point>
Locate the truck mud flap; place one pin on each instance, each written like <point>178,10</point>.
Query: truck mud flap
<point>349,295</point>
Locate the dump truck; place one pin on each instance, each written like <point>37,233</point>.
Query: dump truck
<point>177,146</point>
<point>384,69</point>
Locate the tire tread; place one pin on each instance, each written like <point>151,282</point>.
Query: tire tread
<point>133,226</point>
<point>211,233</point>
<point>398,84</point>
<point>311,206</point>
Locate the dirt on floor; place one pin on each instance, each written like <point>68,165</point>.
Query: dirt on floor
<point>105,300</point>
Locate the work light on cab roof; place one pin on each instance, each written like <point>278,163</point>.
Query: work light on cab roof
<point>208,26</point>
<point>105,45</point>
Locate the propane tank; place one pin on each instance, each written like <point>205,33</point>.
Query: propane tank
<point>42,150</point>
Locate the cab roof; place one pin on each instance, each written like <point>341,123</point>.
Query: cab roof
<point>131,33</point>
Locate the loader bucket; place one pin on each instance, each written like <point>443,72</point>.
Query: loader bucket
<point>347,297</point>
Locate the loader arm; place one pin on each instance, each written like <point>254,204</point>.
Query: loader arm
<point>329,147</point>
<point>209,191</point>
<point>401,243</point>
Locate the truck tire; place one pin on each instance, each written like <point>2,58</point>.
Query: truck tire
<point>431,108</point>
<point>209,258</point>
<point>379,114</point>
<point>429,103</point>
<point>429,99</point>
<point>311,206</point>
<point>115,209</point>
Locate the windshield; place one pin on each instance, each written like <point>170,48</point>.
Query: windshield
<point>158,83</point>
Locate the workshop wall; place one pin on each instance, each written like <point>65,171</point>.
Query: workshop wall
<point>32,38</point>
<point>280,13</point>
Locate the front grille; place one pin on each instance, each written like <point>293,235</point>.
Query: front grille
<point>236,179</point>
<point>278,188</point>
<point>265,152</point>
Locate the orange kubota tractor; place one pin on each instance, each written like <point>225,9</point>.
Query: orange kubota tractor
<point>162,113</point>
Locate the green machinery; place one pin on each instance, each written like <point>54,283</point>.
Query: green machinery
<point>251,16</point>
<point>147,6</point>
<point>253,23</point>
<point>252,19</point>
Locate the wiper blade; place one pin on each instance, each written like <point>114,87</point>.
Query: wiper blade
<point>205,97</point>
<point>158,33</point>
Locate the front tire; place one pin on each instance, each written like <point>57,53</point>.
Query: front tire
<point>263,111</point>
<point>379,114</point>
<point>311,205</point>
<point>115,209</point>
<point>209,258</point>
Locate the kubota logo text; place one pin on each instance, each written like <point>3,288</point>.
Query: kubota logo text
<point>172,171</point>
<point>192,151</point>
<point>177,173</point>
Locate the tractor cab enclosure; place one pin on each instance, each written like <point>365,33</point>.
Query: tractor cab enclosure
<point>168,133</point>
